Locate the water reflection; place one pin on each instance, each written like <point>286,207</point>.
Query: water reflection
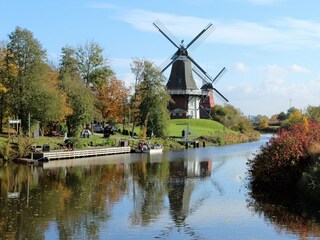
<point>77,197</point>
<point>181,183</point>
<point>289,212</point>
<point>192,194</point>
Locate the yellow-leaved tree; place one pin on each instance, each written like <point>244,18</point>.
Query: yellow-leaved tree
<point>112,99</point>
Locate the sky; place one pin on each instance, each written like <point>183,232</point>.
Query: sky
<point>270,48</point>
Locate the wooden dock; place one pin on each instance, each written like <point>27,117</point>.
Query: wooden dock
<point>92,152</point>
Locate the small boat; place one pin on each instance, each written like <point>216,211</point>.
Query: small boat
<point>146,148</point>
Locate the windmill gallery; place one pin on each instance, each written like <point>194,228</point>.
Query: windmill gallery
<point>188,100</point>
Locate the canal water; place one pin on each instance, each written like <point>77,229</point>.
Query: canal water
<point>191,194</point>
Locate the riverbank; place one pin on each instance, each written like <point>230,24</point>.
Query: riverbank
<point>203,131</point>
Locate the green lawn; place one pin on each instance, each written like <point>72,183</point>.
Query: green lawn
<point>94,140</point>
<point>197,127</point>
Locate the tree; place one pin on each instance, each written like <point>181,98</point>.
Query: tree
<point>262,122</point>
<point>85,65</point>
<point>79,97</point>
<point>50,104</point>
<point>150,98</point>
<point>274,119</point>
<point>7,71</point>
<point>231,117</point>
<point>295,117</point>
<point>26,53</point>
<point>282,116</point>
<point>27,89</point>
<point>313,113</point>
<point>290,111</point>
<point>218,113</point>
<point>112,98</point>
<point>91,64</point>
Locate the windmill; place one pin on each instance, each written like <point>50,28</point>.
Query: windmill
<point>188,100</point>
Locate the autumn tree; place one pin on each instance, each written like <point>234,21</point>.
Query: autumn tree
<point>27,54</point>
<point>7,71</point>
<point>31,91</point>
<point>262,121</point>
<point>295,117</point>
<point>150,98</point>
<point>112,99</point>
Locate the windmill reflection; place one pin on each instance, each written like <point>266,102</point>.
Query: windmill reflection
<point>181,183</point>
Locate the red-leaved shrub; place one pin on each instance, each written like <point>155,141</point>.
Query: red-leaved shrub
<point>282,160</point>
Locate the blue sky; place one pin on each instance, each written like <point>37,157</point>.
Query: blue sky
<point>269,47</point>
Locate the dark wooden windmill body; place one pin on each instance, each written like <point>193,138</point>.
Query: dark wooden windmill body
<point>188,101</point>
<point>183,90</point>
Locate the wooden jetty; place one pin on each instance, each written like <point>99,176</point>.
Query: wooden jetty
<point>82,153</point>
<point>121,159</point>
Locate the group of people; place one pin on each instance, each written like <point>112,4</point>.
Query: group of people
<point>86,133</point>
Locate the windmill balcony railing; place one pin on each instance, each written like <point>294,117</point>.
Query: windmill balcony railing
<point>185,92</point>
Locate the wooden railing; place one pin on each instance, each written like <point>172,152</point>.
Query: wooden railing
<point>80,153</point>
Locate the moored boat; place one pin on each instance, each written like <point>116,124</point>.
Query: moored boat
<point>147,148</point>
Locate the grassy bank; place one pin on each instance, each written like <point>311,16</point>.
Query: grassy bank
<point>197,127</point>
<point>211,132</point>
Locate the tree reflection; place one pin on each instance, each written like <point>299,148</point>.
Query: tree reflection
<point>76,200</point>
<point>149,190</point>
<point>288,212</point>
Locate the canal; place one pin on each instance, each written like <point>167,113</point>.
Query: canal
<point>192,194</point>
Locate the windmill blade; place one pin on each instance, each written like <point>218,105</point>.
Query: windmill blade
<point>200,75</point>
<point>219,94</point>
<point>165,63</point>
<point>205,111</point>
<point>168,65</point>
<point>165,32</point>
<point>219,75</point>
<point>207,78</point>
<point>200,68</point>
<point>203,34</point>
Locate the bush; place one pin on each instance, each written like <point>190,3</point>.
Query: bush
<point>16,147</point>
<point>281,162</point>
<point>6,151</point>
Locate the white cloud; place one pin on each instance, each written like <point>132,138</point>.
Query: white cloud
<point>298,69</point>
<point>274,93</point>
<point>288,33</point>
<point>275,70</point>
<point>241,67</point>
